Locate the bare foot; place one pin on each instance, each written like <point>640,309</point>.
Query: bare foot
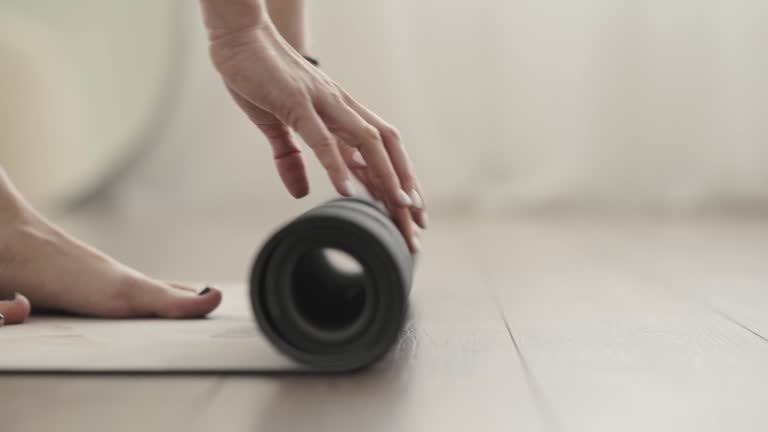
<point>52,270</point>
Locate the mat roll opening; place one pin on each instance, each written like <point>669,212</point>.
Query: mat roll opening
<point>330,288</point>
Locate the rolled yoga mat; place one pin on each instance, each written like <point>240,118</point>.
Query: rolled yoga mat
<point>330,289</point>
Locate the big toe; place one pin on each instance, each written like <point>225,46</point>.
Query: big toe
<point>179,301</point>
<point>14,310</point>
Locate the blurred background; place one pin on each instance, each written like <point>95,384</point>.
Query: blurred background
<point>113,121</point>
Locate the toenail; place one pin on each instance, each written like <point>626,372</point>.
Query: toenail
<point>11,297</point>
<point>204,291</point>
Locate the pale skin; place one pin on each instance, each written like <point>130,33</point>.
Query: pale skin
<point>257,47</point>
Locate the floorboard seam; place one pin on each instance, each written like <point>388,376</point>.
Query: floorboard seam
<point>740,324</point>
<point>549,419</point>
<point>707,305</point>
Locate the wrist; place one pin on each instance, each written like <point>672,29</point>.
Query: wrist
<point>225,19</point>
<point>290,19</point>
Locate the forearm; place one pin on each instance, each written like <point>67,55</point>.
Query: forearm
<point>290,18</point>
<point>227,17</point>
<point>224,18</point>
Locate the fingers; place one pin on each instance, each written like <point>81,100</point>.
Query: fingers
<point>308,124</point>
<point>403,219</point>
<point>355,131</point>
<point>400,160</point>
<point>327,119</point>
<point>14,309</point>
<point>402,216</point>
<point>285,151</point>
<point>358,167</point>
<point>288,159</point>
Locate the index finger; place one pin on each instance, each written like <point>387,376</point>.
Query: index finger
<point>308,124</point>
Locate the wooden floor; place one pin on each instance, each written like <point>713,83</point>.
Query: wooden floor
<point>546,324</point>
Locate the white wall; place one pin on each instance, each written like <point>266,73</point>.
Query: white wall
<point>509,104</point>
<point>79,82</point>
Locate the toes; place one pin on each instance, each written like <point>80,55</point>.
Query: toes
<point>180,303</point>
<point>183,287</point>
<point>14,310</point>
<point>175,300</point>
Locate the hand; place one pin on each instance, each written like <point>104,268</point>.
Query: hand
<point>280,91</point>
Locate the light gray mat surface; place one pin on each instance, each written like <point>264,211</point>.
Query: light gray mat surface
<point>227,341</point>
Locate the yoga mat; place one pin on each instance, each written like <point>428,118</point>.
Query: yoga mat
<point>328,293</point>
<point>330,289</point>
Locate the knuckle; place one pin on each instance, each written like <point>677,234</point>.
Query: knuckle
<point>323,143</point>
<point>298,98</point>
<point>379,179</point>
<point>330,94</point>
<point>323,85</point>
<point>407,180</point>
<point>390,134</point>
<point>281,154</point>
<point>327,83</point>
<point>343,93</point>
<point>336,97</point>
<point>369,135</point>
<point>295,106</point>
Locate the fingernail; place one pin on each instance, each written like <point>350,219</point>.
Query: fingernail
<point>416,245</point>
<point>416,198</point>
<point>404,198</point>
<point>11,297</point>
<point>358,158</point>
<point>349,188</point>
<point>2,320</point>
<point>204,291</point>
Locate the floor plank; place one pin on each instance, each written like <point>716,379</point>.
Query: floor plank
<point>722,265</point>
<point>609,347</point>
<point>102,403</point>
